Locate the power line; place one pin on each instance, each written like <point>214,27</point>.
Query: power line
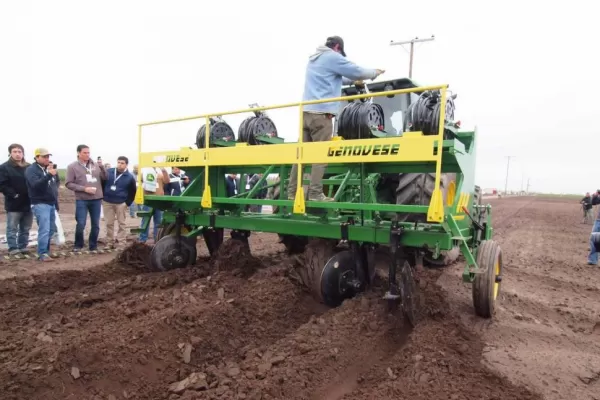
<point>412,49</point>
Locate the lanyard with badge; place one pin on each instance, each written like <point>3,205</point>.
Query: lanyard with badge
<point>88,174</point>
<point>114,185</point>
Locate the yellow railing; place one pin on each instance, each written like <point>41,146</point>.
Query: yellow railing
<point>411,146</point>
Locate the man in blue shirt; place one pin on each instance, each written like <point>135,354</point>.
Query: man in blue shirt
<point>119,192</point>
<point>326,71</point>
<point>43,194</point>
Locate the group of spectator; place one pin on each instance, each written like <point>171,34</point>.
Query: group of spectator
<point>31,190</point>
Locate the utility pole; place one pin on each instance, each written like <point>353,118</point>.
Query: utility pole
<point>412,49</point>
<point>527,185</point>
<point>507,167</point>
<point>521,193</point>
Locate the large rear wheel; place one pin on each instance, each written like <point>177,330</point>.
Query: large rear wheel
<point>417,189</point>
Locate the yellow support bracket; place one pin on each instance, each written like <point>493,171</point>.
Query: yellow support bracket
<point>299,205</point>
<point>206,201</point>
<point>206,197</point>
<point>139,194</point>
<point>435,212</point>
<point>451,194</point>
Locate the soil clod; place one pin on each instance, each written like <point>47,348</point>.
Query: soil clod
<point>136,255</point>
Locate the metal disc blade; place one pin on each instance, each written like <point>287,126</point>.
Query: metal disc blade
<point>167,254</point>
<point>336,274</point>
<point>408,293</point>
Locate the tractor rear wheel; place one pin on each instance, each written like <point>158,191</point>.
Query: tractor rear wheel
<point>417,189</point>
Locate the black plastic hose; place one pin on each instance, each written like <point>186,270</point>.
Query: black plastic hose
<point>424,114</point>
<point>358,118</point>
<point>219,130</point>
<point>256,125</point>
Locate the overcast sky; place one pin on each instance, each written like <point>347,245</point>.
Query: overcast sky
<point>526,73</point>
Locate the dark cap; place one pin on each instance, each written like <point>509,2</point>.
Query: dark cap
<point>333,40</point>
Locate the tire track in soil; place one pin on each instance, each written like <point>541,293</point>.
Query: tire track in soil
<point>545,334</point>
<point>132,340</point>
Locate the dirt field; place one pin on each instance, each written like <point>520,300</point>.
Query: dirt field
<point>96,329</point>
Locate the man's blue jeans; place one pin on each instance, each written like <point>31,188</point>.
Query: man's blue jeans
<point>593,257</point>
<point>82,208</point>
<point>133,208</point>
<point>45,217</point>
<point>156,216</point>
<point>18,225</point>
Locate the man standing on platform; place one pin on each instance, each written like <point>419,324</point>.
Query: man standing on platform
<point>326,71</point>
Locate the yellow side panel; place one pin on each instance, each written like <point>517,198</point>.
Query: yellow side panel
<point>411,147</point>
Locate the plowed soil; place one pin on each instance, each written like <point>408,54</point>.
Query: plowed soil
<point>240,328</point>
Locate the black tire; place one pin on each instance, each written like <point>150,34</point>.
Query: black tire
<point>489,256</point>
<point>417,189</point>
<point>276,194</point>
<point>294,244</point>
